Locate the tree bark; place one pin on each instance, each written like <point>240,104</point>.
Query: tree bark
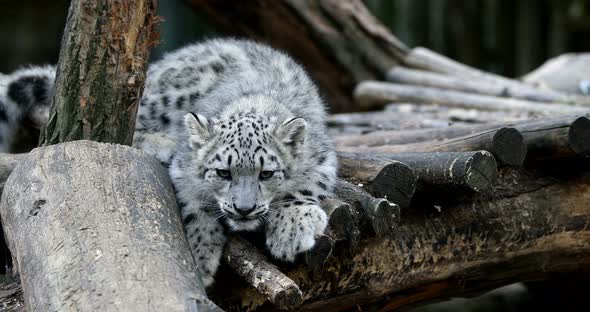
<point>425,78</point>
<point>95,227</point>
<point>532,228</point>
<point>373,94</point>
<point>506,144</point>
<point>475,171</point>
<point>331,38</point>
<point>253,266</point>
<point>101,71</point>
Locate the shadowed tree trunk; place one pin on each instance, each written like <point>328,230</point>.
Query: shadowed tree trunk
<point>101,71</point>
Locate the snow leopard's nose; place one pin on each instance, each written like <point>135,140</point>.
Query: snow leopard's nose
<point>244,211</point>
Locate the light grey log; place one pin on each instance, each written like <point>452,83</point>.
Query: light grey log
<point>425,78</point>
<point>266,278</point>
<point>424,58</point>
<point>374,93</point>
<point>95,227</point>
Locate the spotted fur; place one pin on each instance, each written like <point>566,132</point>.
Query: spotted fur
<point>252,154</point>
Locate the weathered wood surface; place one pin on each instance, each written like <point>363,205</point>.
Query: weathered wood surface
<point>545,138</point>
<point>95,227</point>
<point>332,38</point>
<point>253,266</point>
<point>426,59</point>
<point>533,226</point>
<point>403,75</point>
<point>390,179</point>
<point>506,144</point>
<point>453,172</point>
<point>565,73</point>
<point>101,71</point>
<point>373,94</point>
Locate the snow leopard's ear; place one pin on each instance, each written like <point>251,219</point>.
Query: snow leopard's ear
<point>292,133</point>
<point>198,129</point>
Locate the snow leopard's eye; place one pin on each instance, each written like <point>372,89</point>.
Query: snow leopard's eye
<point>266,174</point>
<point>225,174</point>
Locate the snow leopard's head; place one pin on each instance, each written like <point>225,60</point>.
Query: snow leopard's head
<point>245,161</point>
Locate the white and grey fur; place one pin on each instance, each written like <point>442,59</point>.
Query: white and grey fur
<point>253,154</point>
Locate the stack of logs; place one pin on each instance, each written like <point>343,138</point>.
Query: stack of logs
<point>452,189</point>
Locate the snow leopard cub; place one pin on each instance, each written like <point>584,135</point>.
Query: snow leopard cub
<point>254,155</point>
<point>251,154</point>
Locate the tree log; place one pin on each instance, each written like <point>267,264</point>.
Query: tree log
<point>266,278</point>
<point>475,171</point>
<point>429,60</point>
<point>354,47</point>
<point>95,227</point>
<point>101,71</point>
<point>403,75</point>
<point>506,144</point>
<point>545,138</point>
<point>392,180</point>
<point>532,228</point>
<point>343,221</point>
<point>372,94</point>
<point>380,213</point>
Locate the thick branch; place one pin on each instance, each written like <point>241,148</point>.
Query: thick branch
<point>506,144</point>
<point>475,171</point>
<point>372,94</point>
<point>252,266</point>
<point>101,71</point>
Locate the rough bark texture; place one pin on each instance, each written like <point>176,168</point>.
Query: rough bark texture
<point>101,71</point>
<point>506,144</point>
<point>374,94</point>
<point>252,266</point>
<point>95,227</point>
<point>475,171</point>
<point>534,226</point>
<point>339,42</point>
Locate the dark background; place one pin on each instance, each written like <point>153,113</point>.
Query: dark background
<point>510,37</point>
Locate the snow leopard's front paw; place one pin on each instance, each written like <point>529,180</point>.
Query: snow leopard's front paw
<point>206,240</point>
<point>293,230</point>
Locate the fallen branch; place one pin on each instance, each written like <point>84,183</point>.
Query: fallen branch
<point>506,144</point>
<point>424,58</point>
<point>475,171</point>
<point>266,278</point>
<point>403,75</point>
<point>371,94</point>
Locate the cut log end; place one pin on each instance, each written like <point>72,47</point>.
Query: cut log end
<point>579,136</point>
<point>386,217</point>
<point>396,182</point>
<point>481,172</point>
<point>342,221</point>
<point>316,257</point>
<point>508,147</point>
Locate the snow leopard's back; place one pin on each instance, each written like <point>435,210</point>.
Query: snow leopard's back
<point>204,77</point>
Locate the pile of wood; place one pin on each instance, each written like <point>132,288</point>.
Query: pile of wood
<point>468,181</point>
